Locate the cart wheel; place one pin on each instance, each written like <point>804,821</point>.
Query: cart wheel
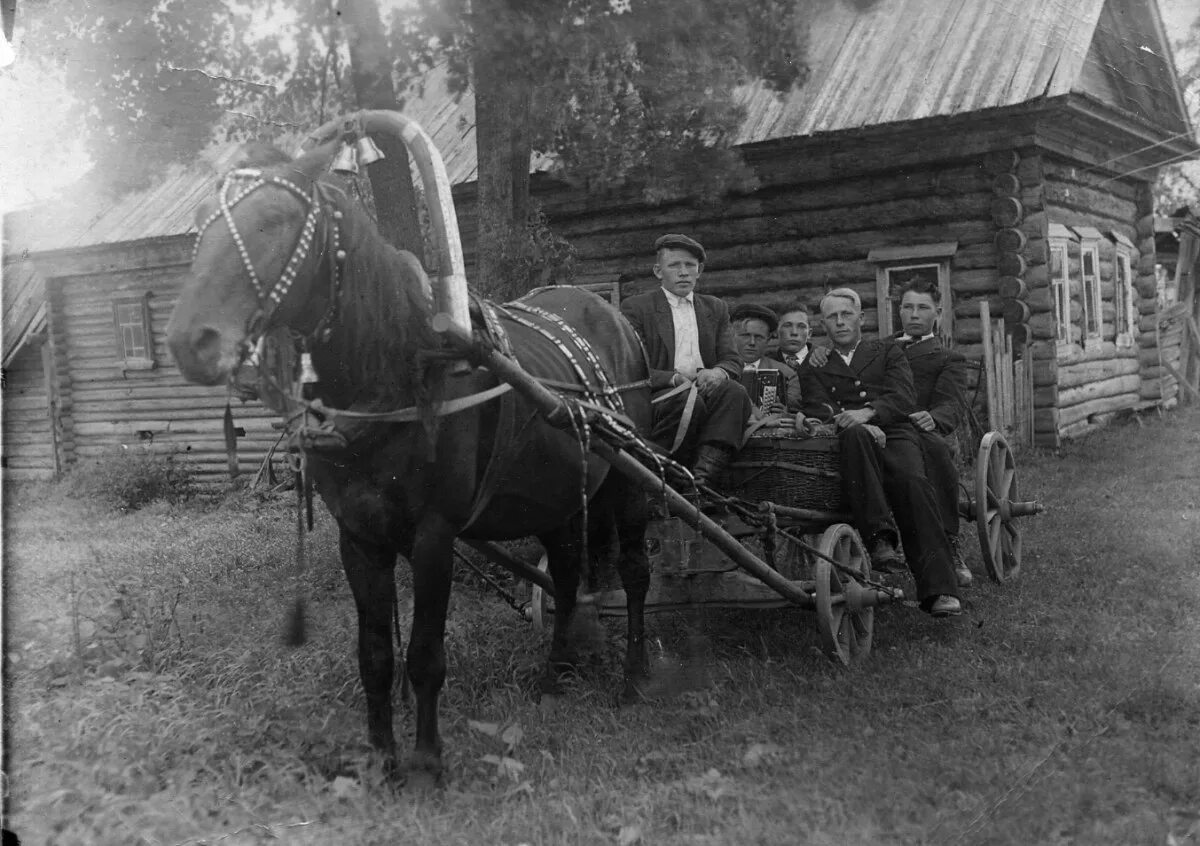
<point>541,606</point>
<point>995,490</point>
<point>846,632</point>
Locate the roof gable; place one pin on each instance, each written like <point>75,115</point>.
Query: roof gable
<point>1129,65</point>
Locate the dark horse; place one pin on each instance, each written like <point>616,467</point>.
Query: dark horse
<point>495,470</point>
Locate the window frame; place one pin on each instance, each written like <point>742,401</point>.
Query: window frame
<point>1061,238</point>
<point>1091,294</point>
<point>889,260</point>
<point>126,355</point>
<point>1124,301</point>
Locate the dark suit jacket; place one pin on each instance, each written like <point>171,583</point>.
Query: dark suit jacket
<point>939,380</point>
<point>878,376</point>
<point>650,315</point>
<point>790,378</point>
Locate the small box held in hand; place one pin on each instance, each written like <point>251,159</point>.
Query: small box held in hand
<point>766,387</point>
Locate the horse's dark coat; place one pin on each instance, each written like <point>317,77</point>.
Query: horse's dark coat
<point>409,489</point>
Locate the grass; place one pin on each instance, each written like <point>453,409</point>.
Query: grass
<point>150,701</point>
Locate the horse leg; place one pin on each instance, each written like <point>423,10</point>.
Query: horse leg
<point>633,565</point>
<point>432,569</point>
<point>370,570</point>
<point>563,551</point>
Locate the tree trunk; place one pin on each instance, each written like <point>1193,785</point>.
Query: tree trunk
<point>502,100</point>
<point>391,178</point>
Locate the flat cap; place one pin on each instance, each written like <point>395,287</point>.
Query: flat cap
<point>759,312</point>
<point>680,242</point>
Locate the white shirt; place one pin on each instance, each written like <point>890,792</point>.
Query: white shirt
<point>687,335</point>
<point>848,356</point>
<point>913,339</point>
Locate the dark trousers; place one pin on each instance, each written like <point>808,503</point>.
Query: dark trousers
<point>942,471</point>
<point>880,483</point>
<point>720,418</point>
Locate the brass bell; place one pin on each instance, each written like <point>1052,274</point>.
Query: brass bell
<point>346,161</point>
<point>368,153</point>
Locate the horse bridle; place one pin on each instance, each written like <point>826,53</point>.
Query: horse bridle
<point>249,180</point>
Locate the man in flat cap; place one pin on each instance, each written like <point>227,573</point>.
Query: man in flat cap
<point>700,406</point>
<point>753,326</point>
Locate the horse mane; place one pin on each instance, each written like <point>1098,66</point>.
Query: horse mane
<point>382,324</point>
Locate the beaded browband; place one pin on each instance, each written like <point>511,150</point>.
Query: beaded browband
<point>249,180</point>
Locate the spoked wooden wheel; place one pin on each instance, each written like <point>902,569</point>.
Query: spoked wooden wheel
<point>541,605</point>
<point>995,494</point>
<point>846,626</point>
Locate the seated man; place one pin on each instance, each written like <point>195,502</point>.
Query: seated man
<point>689,344</point>
<point>794,345</point>
<point>939,379</point>
<point>865,387</point>
<point>753,326</point>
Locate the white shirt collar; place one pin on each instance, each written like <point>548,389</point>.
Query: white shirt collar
<point>675,300</point>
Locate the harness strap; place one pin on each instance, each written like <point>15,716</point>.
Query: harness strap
<point>412,413</point>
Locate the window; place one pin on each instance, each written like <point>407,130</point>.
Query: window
<point>896,267</point>
<point>1089,277</point>
<point>131,320</point>
<point>1123,302</point>
<point>1061,239</point>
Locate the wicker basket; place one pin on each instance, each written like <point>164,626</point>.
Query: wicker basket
<point>798,472</point>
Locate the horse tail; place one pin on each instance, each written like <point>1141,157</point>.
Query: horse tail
<point>405,691</point>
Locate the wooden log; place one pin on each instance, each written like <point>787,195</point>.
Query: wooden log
<point>1109,387</point>
<point>1084,410</point>
<point>1036,252</point>
<point>1006,211</point>
<point>1147,287</point>
<point>1011,240</point>
<point>1145,265</point>
<point>1045,372</point>
<point>969,306</point>
<point>1069,173</point>
<point>1037,276</point>
<point>1035,225</point>
<point>1011,287</point>
<point>981,281</point>
<point>1145,227</point>
<point>1096,203</point>
<point>1014,312</point>
<point>1147,323</point>
<point>968,330</point>
<point>1148,356</point>
<point>1006,185</point>
<point>1045,419</point>
<point>1045,395</point>
<point>973,256</point>
<point>1010,264</point>
<point>1029,168</point>
<point>1001,161</point>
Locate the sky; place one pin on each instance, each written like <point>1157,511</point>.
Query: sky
<point>41,153</point>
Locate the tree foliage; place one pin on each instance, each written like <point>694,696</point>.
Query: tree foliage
<point>613,92</point>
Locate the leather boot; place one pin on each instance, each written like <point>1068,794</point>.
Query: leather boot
<point>710,464</point>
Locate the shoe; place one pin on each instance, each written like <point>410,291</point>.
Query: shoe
<point>945,606</point>
<point>961,571</point>
<point>884,558</point>
<point>711,461</point>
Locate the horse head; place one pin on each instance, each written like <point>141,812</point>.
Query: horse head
<point>266,255</point>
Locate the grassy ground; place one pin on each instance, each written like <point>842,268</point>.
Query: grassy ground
<point>148,699</point>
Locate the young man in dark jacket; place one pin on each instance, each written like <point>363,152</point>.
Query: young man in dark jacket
<point>939,379</point>
<point>865,386</point>
<point>700,406</point>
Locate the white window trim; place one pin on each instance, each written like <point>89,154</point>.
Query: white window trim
<point>1060,289</point>
<point>888,260</point>
<point>1124,298</point>
<point>1093,317</point>
<point>128,362</point>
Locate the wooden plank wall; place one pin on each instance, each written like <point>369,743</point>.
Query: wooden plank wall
<point>104,407</point>
<point>28,443</point>
<point>1094,382</point>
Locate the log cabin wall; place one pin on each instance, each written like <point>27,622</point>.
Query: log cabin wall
<point>107,403</point>
<point>821,207</point>
<point>29,438</point>
<point>1081,382</point>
